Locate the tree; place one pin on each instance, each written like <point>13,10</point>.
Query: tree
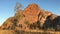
<point>17,7</point>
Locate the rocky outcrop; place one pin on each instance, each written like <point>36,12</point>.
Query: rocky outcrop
<point>32,17</point>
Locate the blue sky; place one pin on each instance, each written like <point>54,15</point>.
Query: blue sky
<point>7,7</point>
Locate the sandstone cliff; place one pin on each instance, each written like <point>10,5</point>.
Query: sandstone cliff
<point>32,17</point>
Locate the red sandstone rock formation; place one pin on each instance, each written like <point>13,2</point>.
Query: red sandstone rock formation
<point>26,18</point>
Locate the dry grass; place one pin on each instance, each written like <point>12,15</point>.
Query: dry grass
<point>38,32</point>
<point>7,32</point>
<point>28,32</point>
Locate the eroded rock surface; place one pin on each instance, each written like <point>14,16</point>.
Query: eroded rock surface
<point>32,17</point>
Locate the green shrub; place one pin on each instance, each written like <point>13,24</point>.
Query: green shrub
<point>27,22</point>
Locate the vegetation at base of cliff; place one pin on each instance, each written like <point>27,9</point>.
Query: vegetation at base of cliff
<point>55,24</point>
<point>27,23</point>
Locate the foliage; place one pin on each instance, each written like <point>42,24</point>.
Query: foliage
<point>27,22</point>
<point>17,7</point>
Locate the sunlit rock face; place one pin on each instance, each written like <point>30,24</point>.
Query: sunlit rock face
<point>32,9</point>
<point>32,17</point>
<point>31,13</point>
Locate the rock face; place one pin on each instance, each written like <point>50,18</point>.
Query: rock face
<point>32,17</point>
<point>32,9</point>
<point>31,13</point>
